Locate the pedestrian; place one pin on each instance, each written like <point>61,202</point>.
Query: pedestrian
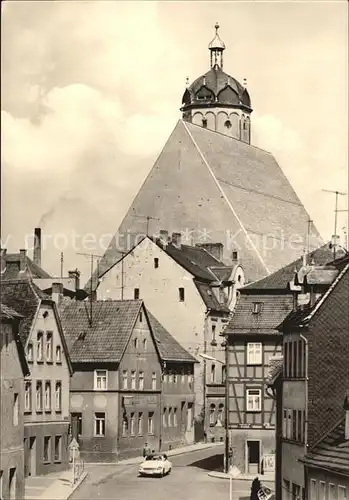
<point>146,450</point>
<point>256,486</point>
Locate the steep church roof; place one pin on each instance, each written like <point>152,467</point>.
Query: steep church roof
<point>227,191</point>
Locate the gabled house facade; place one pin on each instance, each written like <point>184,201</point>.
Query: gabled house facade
<point>132,381</point>
<point>191,292</point>
<point>315,376</point>
<point>46,390</point>
<point>14,368</point>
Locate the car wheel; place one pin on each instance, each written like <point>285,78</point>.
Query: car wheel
<point>163,473</point>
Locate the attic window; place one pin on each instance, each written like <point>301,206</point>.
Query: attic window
<point>227,124</point>
<point>257,307</point>
<point>45,314</point>
<point>235,255</point>
<point>181,294</point>
<point>140,317</point>
<point>156,262</point>
<point>136,293</point>
<point>82,335</point>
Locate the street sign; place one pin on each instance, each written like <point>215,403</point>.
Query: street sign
<point>74,445</point>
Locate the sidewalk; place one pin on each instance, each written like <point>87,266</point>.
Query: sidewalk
<point>169,453</point>
<point>268,478</point>
<point>55,486</point>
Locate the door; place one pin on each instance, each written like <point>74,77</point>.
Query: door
<point>253,457</point>
<point>12,484</point>
<point>32,457</point>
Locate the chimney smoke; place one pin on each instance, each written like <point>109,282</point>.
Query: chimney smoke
<point>176,239</point>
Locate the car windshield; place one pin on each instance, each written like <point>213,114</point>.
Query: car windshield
<point>154,457</point>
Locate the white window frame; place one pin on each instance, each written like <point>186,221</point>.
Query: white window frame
<point>40,347</point>
<point>133,379</point>
<point>28,396</point>
<point>151,423</point>
<point>153,381</point>
<point>30,352</point>
<point>332,493</point>
<point>124,427</point>
<point>251,394</point>
<point>322,491</point>
<point>169,417</point>
<point>212,414</point>
<point>141,381</point>
<point>103,379</point>
<point>58,354</point>
<point>313,488</point>
<point>213,373</point>
<point>342,493</point>
<point>16,409</point>
<point>144,344</point>
<point>58,439</point>
<point>98,426</point>
<point>140,424</point>
<point>48,395</point>
<point>1,484</point>
<point>124,379</point>
<point>49,347</point>
<point>254,353</point>
<point>39,395</point>
<point>58,396</point>
<point>175,420</point>
<point>164,417</point>
<point>132,424</point>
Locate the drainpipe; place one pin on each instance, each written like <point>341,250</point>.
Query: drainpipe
<point>163,366</point>
<point>226,465</point>
<point>204,367</point>
<point>305,340</point>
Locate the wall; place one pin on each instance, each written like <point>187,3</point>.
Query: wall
<point>328,478</point>
<point>292,470</point>
<point>159,289</point>
<point>238,439</point>
<point>216,120</point>
<point>12,451</point>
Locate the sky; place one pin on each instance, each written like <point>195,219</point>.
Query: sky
<point>90,92</point>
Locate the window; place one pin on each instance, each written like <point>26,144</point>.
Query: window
<point>140,317</point>
<point>164,417</point>
<point>289,424</point>
<point>39,396</point>
<point>204,121</point>
<point>286,355</point>
<point>47,449</point>
<point>213,333</point>
<point>174,378</point>
<point>181,294</point>
<point>132,424</point>
<point>165,377</point>
<point>287,488</point>
<point>294,359</point>
<point>332,492</point>
<point>58,396</point>
<point>124,427</point>
<point>140,424</point>
<point>15,409</point>
<point>49,344</point>
<point>175,422</point>
<point>190,379</point>
<point>153,381</point>
<point>151,423</point>
<point>133,379</point>
<point>40,347</point>
<point>28,396</point>
<point>101,380</point>
<point>48,396</point>
<point>141,381</point>
<point>136,293</point>
<point>170,417</point>
<point>76,420</point>
<point>296,491</point>
<point>1,484</point>
<point>257,307</point>
<point>322,492</point>
<point>156,262</point>
<point>124,379</point>
<point>58,354</point>
<point>227,124</point>
<point>294,425</point>
<point>300,436</point>
<point>284,424</point>
<point>135,343</point>
<point>224,372</point>
<point>213,374</point>
<point>144,344</point>
<point>100,424</point>
<point>58,449</point>
<point>220,417</point>
<point>254,353</point>
<point>235,255</point>
<point>342,493</point>
<point>30,353</point>
<point>253,397</point>
<point>212,414</point>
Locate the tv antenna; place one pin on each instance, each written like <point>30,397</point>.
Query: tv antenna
<point>92,258</point>
<point>337,193</point>
<point>148,219</point>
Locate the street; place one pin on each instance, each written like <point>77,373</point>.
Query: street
<point>188,480</point>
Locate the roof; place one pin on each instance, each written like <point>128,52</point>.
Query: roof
<point>274,309</point>
<point>243,195</point>
<point>25,297</point>
<point>209,298</point>
<point>169,348</point>
<point>12,271</point>
<point>331,453</point>
<point>281,278</point>
<point>275,369</point>
<point>8,314</point>
<point>316,275</point>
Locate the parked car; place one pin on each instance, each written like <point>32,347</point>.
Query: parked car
<point>155,465</point>
<point>266,494</point>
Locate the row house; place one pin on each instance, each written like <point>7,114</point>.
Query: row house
<point>191,292</point>
<point>14,368</point>
<point>132,382</point>
<point>253,340</point>
<point>315,379</point>
<point>46,389</point>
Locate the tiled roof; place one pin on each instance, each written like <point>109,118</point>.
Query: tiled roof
<point>25,297</point>
<point>275,368</point>
<point>209,297</point>
<point>12,271</point>
<point>169,348</point>
<point>8,313</point>
<point>112,324</point>
<point>332,453</point>
<point>274,309</point>
<point>316,275</point>
<point>281,278</point>
<point>204,180</point>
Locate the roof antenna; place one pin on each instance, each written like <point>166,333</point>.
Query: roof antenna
<point>335,236</point>
<point>308,235</point>
<point>245,83</point>
<point>187,81</point>
<point>92,257</point>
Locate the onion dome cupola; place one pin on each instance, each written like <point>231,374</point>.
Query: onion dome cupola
<point>216,100</point>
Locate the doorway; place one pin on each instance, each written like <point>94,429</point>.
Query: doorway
<point>253,456</point>
<point>12,484</point>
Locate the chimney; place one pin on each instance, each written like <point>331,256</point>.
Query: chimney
<point>57,292</point>
<point>37,246</point>
<point>164,236</point>
<point>176,239</point>
<point>22,260</point>
<point>346,409</point>
<point>215,249</point>
<point>3,259</point>
<point>234,256</point>
<point>75,275</point>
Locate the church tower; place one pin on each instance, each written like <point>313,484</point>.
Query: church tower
<point>216,100</point>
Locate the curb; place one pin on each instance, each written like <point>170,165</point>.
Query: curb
<point>221,475</point>
<point>171,453</point>
<point>77,484</point>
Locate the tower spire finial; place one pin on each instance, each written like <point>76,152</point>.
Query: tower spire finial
<point>216,48</point>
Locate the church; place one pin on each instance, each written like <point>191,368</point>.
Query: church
<point>212,185</point>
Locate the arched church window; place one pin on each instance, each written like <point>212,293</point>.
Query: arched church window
<point>227,124</point>
<point>204,122</point>
<point>212,414</point>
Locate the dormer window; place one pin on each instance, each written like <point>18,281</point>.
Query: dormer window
<point>156,262</point>
<point>257,307</point>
